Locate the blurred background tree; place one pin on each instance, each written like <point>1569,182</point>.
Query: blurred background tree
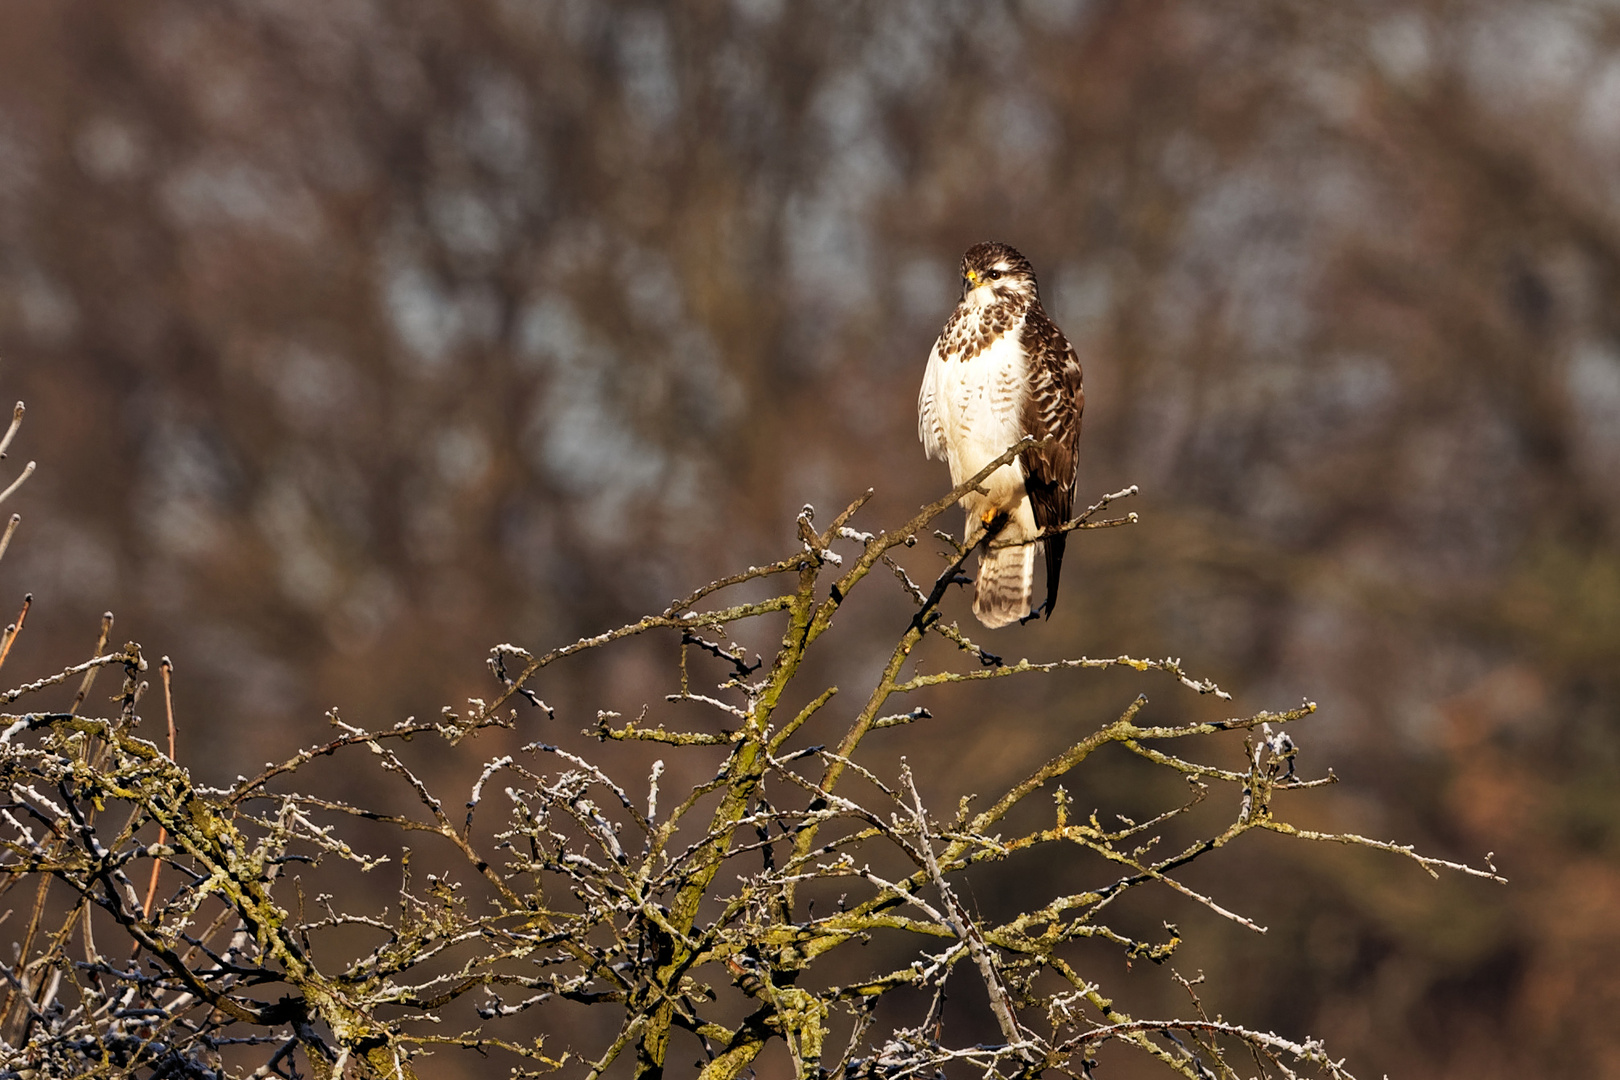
<point>360,336</point>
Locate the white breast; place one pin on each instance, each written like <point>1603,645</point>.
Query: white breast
<point>978,403</point>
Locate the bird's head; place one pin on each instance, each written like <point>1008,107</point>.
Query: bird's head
<point>995,273</point>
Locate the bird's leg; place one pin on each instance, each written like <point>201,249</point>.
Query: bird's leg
<point>1035,613</point>
<point>983,528</point>
<point>990,522</point>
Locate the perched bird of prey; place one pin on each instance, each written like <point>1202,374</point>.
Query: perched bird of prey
<point>999,371</point>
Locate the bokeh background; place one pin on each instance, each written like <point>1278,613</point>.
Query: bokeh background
<point>360,336</point>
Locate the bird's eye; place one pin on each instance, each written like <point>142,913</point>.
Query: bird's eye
<point>995,274</point>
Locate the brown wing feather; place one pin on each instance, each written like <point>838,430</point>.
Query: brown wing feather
<point>1052,406</point>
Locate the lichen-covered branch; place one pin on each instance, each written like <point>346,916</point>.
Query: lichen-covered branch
<point>664,907</point>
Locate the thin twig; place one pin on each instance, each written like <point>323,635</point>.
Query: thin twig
<point>15,629</point>
<point>11,432</point>
<point>166,667</point>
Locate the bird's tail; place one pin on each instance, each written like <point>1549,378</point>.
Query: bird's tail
<point>1054,567</point>
<point>1006,583</point>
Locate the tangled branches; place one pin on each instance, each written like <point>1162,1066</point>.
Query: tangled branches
<point>687,914</point>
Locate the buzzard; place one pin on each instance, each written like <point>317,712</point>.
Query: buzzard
<point>999,371</point>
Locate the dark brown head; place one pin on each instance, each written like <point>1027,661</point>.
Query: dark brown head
<point>995,273</point>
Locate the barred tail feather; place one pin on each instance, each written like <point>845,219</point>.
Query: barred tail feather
<point>1006,583</point>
